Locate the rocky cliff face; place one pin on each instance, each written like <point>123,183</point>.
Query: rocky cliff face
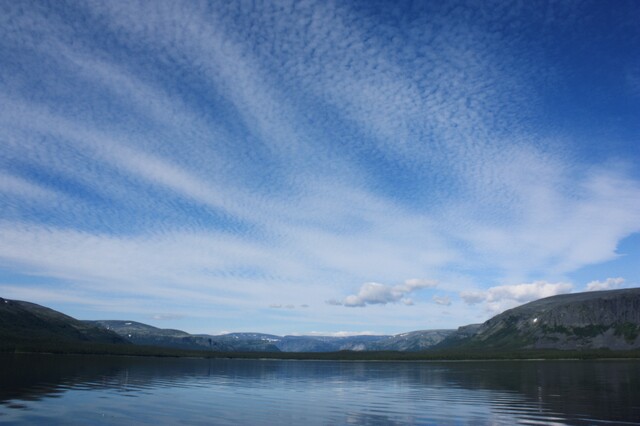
<point>591,320</point>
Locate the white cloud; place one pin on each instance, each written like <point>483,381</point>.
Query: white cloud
<point>280,306</point>
<point>499,298</point>
<point>416,283</point>
<point>381,294</point>
<point>221,58</point>
<point>167,317</point>
<point>608,284</point>
<point>46,296</point>
<point>472,297</point>
<point>527,292</point>
<point>442,300</point>
<point>305,191</point>
<point>18,187</point>
<point>545,212</point>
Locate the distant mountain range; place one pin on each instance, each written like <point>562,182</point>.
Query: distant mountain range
<point>592,320</point>
<point>144,334</point>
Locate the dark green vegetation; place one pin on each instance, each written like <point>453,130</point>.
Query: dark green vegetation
<point>582,326</point>
<point>628,330</point>
<point>89,348</point>
<point>28,322</point>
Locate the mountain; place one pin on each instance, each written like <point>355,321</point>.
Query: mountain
<point>23,321</point>
<point>413,341</point>
<point>244,342</point>
<point>590,320</point>
<point>143,334</point>
<point>328,343</point>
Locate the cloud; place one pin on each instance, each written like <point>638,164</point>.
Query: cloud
<point>283,153</point>
<point>471,297</point>
<point>48,295</point>
<point>415,283</point>
<point>18,187</point>
<point>499,298</point>
<point>167,317</point>
<point>279,306</point>
<point>442,300</point>
<point>380,294</point>
<point>608,284</point>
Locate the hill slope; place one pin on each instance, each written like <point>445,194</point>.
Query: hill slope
<point>143,334</point>
<point>590,320</point>
<point>412,341</point>
<point>24,321</point>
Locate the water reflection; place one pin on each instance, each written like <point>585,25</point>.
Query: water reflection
<point>109,390</point>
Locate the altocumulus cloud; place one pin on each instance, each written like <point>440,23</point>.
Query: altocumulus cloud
<point>381,294</point>
<point>279,154</point>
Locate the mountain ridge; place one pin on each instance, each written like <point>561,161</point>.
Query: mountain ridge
<point>579,321</point>
<point>589,320</point>
<point>20,321</point>
<point>144,334</point>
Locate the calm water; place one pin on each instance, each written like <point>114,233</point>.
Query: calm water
<point>48,389</point>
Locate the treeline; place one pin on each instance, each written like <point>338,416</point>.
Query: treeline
<point>91,348</point>
<point>438,355</point>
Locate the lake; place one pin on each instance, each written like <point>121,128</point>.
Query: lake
<point>67,389</point>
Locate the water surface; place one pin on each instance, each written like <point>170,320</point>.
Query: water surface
<point>50,389</point>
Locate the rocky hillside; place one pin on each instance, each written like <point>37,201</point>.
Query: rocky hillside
<point>413,341</point>
<point>327,343</point>
<point>590,320</point>
<point>24,321</point>
<point>143,334</point>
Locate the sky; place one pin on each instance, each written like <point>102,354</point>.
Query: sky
<point>322,167</point>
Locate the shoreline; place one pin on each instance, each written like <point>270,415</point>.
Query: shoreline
<point>88,349</point>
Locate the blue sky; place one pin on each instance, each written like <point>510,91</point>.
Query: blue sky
<point>316,167</point>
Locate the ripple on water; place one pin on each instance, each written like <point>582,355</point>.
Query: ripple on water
<point>148,391</point>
